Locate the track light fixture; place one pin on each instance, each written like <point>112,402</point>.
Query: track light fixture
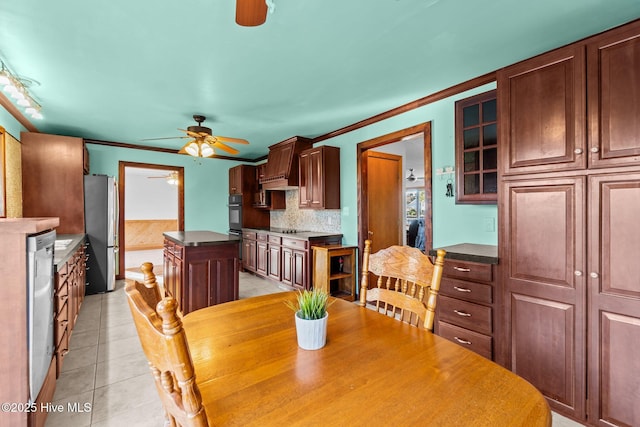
<point>16,89</point>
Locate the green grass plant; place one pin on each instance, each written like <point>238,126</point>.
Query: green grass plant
<point>312,305</point>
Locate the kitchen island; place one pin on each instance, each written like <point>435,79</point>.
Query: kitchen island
<point>283,255</point>
<point>201,268</point>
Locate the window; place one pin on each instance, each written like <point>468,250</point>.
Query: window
<point>477,149</point>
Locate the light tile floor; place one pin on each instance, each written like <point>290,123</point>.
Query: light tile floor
<point>107,370</point>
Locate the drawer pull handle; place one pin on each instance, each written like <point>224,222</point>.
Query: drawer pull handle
<point>461,341</point>
<point>459,289</point>
<point>464,270</point>
<point>462,313</point>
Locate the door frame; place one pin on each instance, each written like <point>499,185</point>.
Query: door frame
<point>363,205</point>
<point>122,165</point>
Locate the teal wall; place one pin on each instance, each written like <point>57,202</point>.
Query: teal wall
<point>451,223</point>
<point>10,124</point>
<point>206,180</point>
<point>206,188</point>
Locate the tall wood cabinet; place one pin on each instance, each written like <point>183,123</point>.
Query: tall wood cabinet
<point>53,179</point>
<point>570,200</point>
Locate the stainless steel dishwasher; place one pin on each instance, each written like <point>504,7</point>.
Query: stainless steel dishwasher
<point>40,308</point>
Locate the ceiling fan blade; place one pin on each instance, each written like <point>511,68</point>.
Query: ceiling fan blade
<point>225,147</point>
<point>168,137</point>
<point>229,139</point>
<point>251,13</point>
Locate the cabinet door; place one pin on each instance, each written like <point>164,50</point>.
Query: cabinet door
<point>287,266</point>
<point>274,259</point>
<point>249,255</point>
<point>304,180</point>
<point>614,295</point>
<point>235,180</point>
<point>541,110</point>
<point>316,179</point>
<point>299,263</point>
<point>544,279</point>
<point>613,61</point>
<point>262,254</point>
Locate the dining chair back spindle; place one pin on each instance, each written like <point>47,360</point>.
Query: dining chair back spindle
<point>164,343</point>
<point>407,285</point>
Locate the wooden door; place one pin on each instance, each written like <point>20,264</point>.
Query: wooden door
<point>261,258</point>
<point>384,199</point>
<point>614,295</point>
<point>299,268</point>
<point>304,183</point>
<point>544,281</point>
<point>274,259</point>
<point>541,110</point>
<point>613,61</point>
<point>287,266</point>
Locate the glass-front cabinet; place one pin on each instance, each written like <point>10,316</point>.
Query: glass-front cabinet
<point>477,149</point>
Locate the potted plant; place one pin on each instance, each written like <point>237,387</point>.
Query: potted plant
<point>311,318</point>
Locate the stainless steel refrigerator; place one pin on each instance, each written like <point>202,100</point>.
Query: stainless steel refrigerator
<point>101,227</point>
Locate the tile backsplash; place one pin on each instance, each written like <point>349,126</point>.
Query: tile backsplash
<point>324,220</point>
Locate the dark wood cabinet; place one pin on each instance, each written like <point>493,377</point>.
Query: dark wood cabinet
<point>541,104</point>
<point>284,259</point>
<point>477,149</point>
<point>569,231</point>
<point>53,179</point>
<point>68,296</point>
<point>249,248</point>
<point>319,185</point>
<point>544,279</point>
<point>281,171</point>
<point>262,254</point>
<point>465,312</point>
<point>242,179</point>
<point>201,268</point>
<point>613,251</point>
<point>613,61</point>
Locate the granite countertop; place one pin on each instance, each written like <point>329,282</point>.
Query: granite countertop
<point>200,238</point>
<point>485,254</point>
<point>61,256</point>
<point>304,235</point>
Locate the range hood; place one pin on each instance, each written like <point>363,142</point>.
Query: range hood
<point>281,172</point>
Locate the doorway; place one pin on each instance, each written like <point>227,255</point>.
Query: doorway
<point>151,202</point>
<point>382,229</point>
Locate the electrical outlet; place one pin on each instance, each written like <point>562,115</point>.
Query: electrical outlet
<point>489,224</point>
<point>329,220</point>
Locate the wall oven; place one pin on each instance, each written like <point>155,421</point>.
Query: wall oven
<point>235,212</point>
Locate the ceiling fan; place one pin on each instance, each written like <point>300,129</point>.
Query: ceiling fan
<point>412,177</point>
<point>251,13</point>
<point>204,142</point>
<point>172,177</point>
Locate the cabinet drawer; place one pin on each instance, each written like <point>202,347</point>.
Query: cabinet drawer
<point>466,314</point>
<point>468,270</point>
<point>62,295</point>
<point>294,243</point>
<point>474,341</point>
<point>60,326</point>
<point>251,235</point>
<point>276,240</point>
<point>261,237</point>
<point>470,291</point>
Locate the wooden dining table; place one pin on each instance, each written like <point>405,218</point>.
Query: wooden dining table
<point>374,370</point>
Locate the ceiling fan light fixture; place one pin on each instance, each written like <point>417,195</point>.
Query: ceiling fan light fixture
<point>193,149</point>
<point>206,150</point>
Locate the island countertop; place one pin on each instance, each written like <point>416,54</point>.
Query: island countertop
<point>486,254</point>
<point>200,238</point>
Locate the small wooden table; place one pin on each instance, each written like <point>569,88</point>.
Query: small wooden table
<point>374,370</point>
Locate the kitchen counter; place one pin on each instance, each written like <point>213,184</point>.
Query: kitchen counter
<point>61,256</point>
<point>199,238</point>
<point>486,254</point>
<point>304,235</point>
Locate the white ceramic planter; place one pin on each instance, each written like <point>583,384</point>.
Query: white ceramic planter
<point>312,334</point>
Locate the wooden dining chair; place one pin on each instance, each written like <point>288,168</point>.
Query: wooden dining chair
<point>165,345</point>
<point>405,277</point>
